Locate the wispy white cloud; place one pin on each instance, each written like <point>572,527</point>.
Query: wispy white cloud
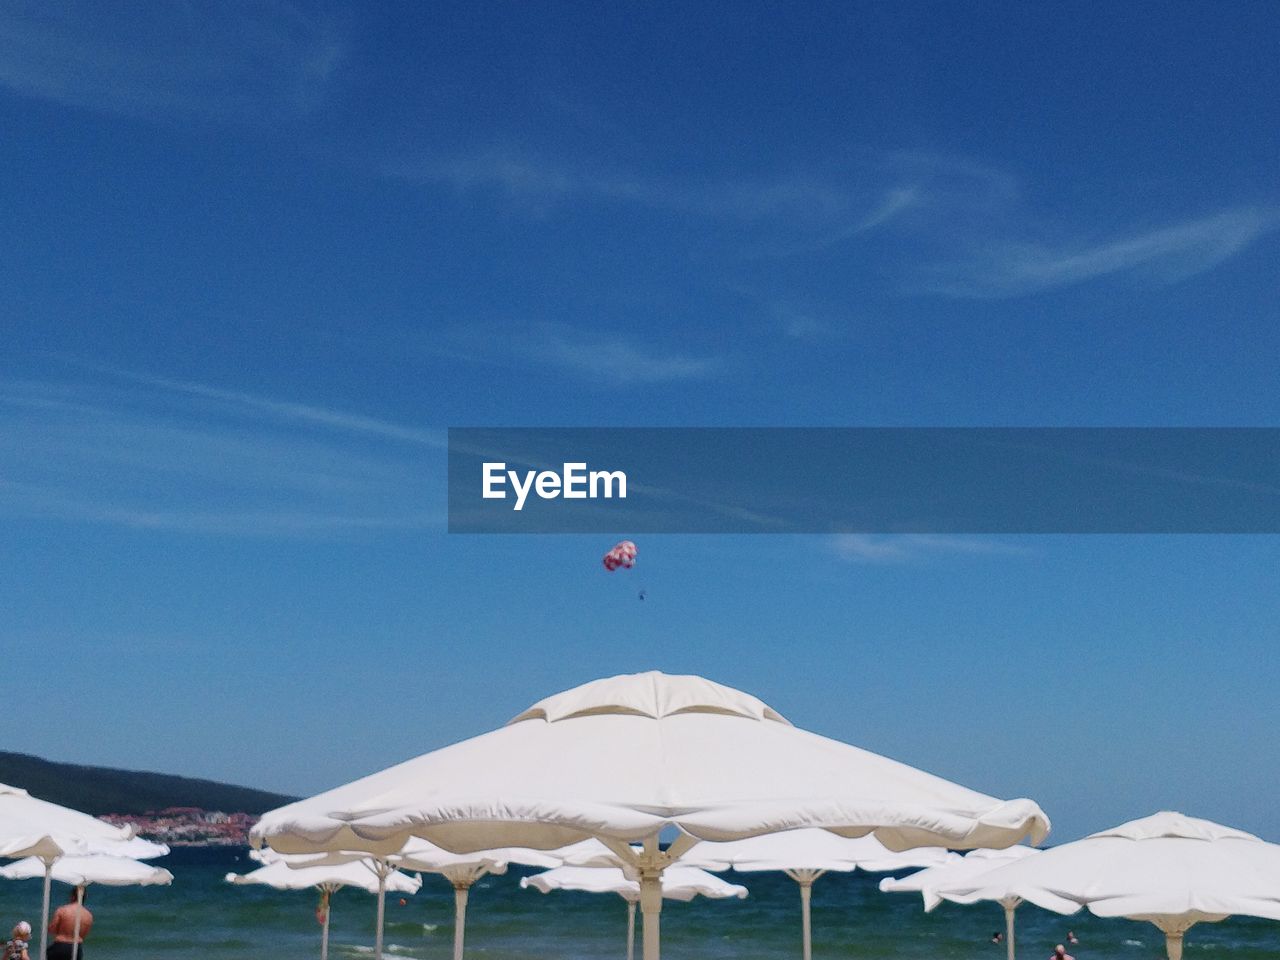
<point>903,548</point>
<point>153,457</point>
<point>600,357</point>
<point>239,60</point>
<point>612,359</point>
<point>790,211</point>
<point>290,412</point>
<point>1166,254</point>
<point>943,225</point>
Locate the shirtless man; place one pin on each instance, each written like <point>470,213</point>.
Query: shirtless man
<point>1059,953</point>
<point>63,928</point>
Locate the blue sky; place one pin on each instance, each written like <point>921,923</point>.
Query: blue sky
<point>259,259</point>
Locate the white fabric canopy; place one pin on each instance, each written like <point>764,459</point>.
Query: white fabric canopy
<point>1170,869</point>
<point>80,871</point>
<point>679,882</point>
<point>932,884</point>
<point>462,870</point>
<point>623,758</point>
<point>30,827</point>
<point>282,874</point>
<point>804,856</point>
<point>811,850</point>
<point>961,871</point>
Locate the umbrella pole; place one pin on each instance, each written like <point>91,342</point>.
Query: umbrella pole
<point>651,910</point>
<point>324,929</point>
<point>631,930</point>
<point>1173,945</point>
<point>382,909</point>
<point>805,878</point>
<point>459,917</point>
<point>75,936</point>
<point>806,931</point>
<point>44,910</point>
<point>1008,927</point>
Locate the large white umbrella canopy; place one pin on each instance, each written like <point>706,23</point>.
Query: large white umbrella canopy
<point>30,827</point>
<point>1172,870</point>
<point>961,870</point>
<point>679,882</point>
<point>805,855</point>
<point>933,883</point>
<point>80,871</point>
<point>462,870</point>
<point>280,874</point>
<point>624,758</point>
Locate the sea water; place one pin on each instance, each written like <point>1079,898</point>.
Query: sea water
<point>201,915</point>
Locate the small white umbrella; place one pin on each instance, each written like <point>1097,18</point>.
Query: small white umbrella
<point>81,871</point>
<point>622,759</point>
<point>679,882</point>
<point>1172,870</point>
<point>30,827</point>
<point>328,879</point>
<point>461,870</point>
<point>805,855</point>
<point>931,882</point>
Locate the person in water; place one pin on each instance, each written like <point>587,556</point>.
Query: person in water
<point>997,937</point>
<point>1060,953</point>
<point>16,948</point>
<point>1072,938</point>
<point>65,944</point>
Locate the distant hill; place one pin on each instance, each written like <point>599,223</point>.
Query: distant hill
<point>99,790</point>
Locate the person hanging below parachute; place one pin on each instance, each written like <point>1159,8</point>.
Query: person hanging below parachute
<point>622,556</point>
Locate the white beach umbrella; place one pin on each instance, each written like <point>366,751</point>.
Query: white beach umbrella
<point>462,870</point>
<point>280,874</point>
<point>679,882</point>
<point>805,855</point>
<point>30,827</point>
<point>1172,870</point>
<point>933,881</point>
<point>109,871</point>
<point>80,871</point>
<point>624,758</point>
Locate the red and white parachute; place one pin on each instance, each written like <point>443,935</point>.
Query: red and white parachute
<point>622,555</point>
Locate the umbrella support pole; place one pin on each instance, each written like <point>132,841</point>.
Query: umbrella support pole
<point>631,930</point>
<point>806,929</point>
<point>459,917</point>
<point>1008,928</point>
<point>651,910</point>
<point>44,910</point>
<point>805,878</point>
<point>648,864</point>
<point>1173,929</point>
<point>324,929</point>
<point>75,930</point>
<point>382,908</point>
